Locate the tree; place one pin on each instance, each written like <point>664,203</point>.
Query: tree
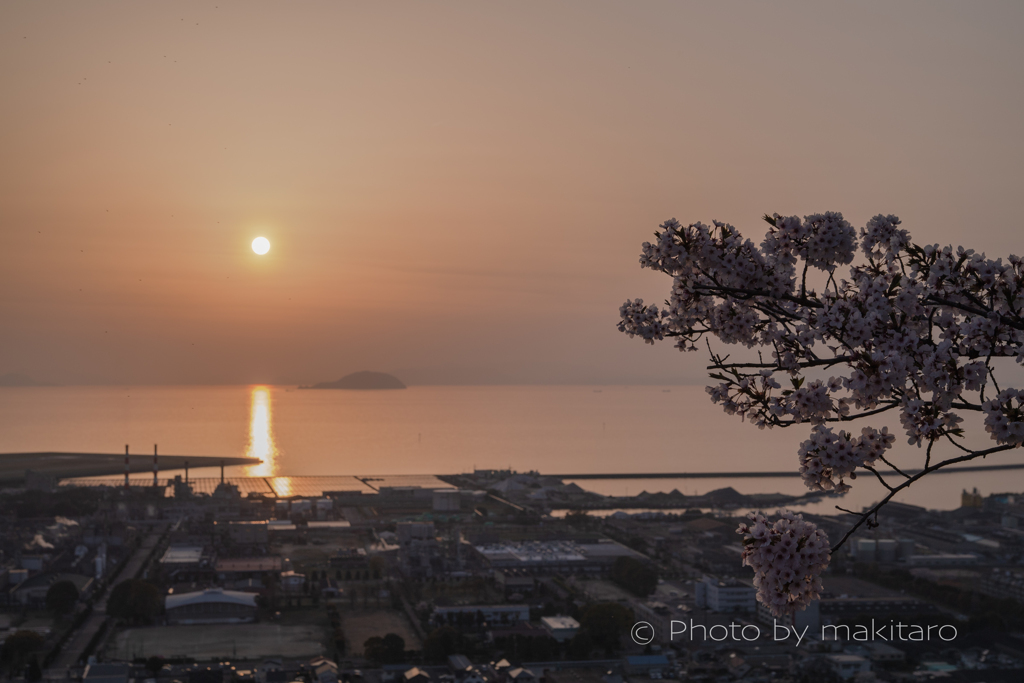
<point>604,623</point>
<point>18,648</point>
<point>577,518</point>
<point>33,672</point>
<point>440,643</point>
<point>373,649</point>
<point>917,331</point>
<point>394,648</point>
<point>154,664</point>
<point>61,597</point>
<point>387,650</point>
<point>580,646</point>
<point>378,567</point>
<point>134,600</point>
<point>639,578</point>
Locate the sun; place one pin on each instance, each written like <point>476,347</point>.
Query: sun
<point>261,245</point>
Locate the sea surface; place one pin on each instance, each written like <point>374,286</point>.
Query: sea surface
<point>446,430</point>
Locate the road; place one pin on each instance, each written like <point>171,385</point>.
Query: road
<point>75,645</point>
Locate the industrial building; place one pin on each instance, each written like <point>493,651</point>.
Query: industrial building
<point>555,557</point>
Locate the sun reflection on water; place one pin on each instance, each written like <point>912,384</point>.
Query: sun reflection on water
<point>261,433</point>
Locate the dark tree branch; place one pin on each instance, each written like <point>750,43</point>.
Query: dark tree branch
<point>875,472</point>
<point>897,469</point>
<point>1005,320</point>
<point>928,470</point>
<point>803,364</point>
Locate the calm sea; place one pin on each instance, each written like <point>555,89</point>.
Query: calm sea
<point>440,430</point>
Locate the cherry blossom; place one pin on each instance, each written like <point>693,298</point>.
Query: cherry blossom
<point>906,328</point>
<point>787,558</point>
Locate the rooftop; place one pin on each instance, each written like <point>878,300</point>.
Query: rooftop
<point>331,524</point>
<point>182,554</point>
<point>249,564</point>
<point>560,622</point>
<point>542,552</point>
<point>210,595</point>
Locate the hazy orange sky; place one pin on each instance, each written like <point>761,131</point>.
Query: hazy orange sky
<point>456,192</point>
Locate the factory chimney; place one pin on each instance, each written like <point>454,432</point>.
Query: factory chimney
<point>126,467</point>
<point>156,469</point>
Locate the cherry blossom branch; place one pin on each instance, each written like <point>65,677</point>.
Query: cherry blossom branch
<point>914,329</point>
<point>803,301</point>
<point>1015,324</point>
<point>893,490</point>
<point>846,418</point>
<point>837,360</point>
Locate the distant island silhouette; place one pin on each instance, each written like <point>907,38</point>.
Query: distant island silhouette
<point>362,380</point>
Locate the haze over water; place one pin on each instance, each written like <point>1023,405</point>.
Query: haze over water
<point>444,430</point>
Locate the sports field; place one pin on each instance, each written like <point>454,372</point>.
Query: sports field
<point>219,641</point>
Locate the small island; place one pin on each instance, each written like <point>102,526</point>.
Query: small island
<point>362,380</point>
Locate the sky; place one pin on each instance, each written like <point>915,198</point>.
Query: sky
<point>457,192</point>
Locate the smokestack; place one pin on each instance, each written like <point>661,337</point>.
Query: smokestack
<point>126,467</point>
<point>222,471</point>
<point>156,469</point>
<point>186,471</point>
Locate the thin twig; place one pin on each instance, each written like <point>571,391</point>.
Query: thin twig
<point>945,463</point>
<point>949,437</point>
<point>875,472</point>
<point>897,469</point>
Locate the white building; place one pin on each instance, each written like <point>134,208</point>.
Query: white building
<point>560,628</point>
<point>725,595</point>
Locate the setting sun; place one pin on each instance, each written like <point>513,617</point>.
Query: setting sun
<point>261,245</point>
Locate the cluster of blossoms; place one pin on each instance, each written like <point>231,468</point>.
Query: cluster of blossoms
<point>926,421</point>
<point>827,457</point>
<point>914,327</point>
<point>787,558</point>
<point>908,328</point>
<point>1004,416</point>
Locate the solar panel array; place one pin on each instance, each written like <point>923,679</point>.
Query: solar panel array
<point>315,486</point>
<point>423,481</point>
<point>246,485</point>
